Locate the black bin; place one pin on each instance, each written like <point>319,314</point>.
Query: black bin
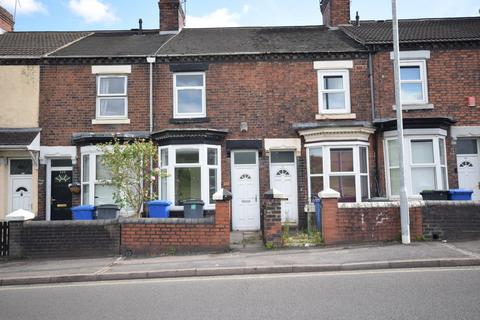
<point>435,194</point>
<point>193,208</point>
<point>107,211</point>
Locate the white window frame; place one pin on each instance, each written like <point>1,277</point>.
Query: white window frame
<point>437,136</point>
<point>345,74</point>
<point>92,152</point>
<point>327,173</point>
<point>176,113</point>
<point>105,96</point>
<point>422,64</point>
<point>204,172</point>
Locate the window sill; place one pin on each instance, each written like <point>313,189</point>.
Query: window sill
<point>336,116</point>
<point>189,120</point>
<point>111,121</point>
<point>407,107</point>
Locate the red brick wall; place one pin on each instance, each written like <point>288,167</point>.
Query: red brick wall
<point>353,225</point>
<point>335,12</point>
<point>157,238</point>
<point>68,102</point>
<point>453,75</point>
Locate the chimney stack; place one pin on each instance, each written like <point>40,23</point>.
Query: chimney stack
<point>335,12</point>
<point>172,17</point>
<point>6,21</point>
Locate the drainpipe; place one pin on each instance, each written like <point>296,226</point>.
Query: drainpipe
<point>151,61</point>
<point>375,142</point>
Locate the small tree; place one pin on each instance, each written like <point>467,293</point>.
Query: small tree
<point>131,167</point>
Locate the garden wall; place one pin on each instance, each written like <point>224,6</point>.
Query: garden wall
<point>366,222</point>
<point>54,239</point>
<point>451,220</point>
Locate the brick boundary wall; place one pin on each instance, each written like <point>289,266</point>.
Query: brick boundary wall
<point>272,222</point>
<point>97,238</point>
<point>451,220</point>
<point>55,239</point>
<point>366,222</point>
<point>166,236</point>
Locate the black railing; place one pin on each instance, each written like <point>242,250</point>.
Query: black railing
<point>3,239</point>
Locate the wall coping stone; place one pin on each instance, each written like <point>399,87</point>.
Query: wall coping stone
<point>207,220</point>
<point>329,194</point>
<point>411,204</point>
<point>69,223</point>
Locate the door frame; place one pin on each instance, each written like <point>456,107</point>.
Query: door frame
<point>257,166</point>
<point>477,155</point>
<point>48,192</point>
<point>10,191</point>
<point>295,170</point>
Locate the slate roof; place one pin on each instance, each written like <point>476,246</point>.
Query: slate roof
<point>417,30</point>
<point>115,43</point>
<point>259,40</point>
<point>17,137</point>
<point>35,44</point>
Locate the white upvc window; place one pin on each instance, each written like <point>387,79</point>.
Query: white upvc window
<point>334,91</point>
<point>112,100</point>
<point>96,189</point>
<point>341,166</point>
<point>189,97</point>
<point>413,82</point>
<point>193,173</point>
<point>425,163</point>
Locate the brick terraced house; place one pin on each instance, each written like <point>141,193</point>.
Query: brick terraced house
<point>298,109</point>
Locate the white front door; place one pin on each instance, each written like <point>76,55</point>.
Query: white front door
<point>245,191</point>
<point>283,177</point>
<point>469,174</point>
<point>21,193</point>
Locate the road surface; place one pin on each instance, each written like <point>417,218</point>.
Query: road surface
<point>384,294</point>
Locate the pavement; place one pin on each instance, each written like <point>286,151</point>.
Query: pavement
<point>340,258</point>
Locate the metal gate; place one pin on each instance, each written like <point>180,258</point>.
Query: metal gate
<point>3,239</point>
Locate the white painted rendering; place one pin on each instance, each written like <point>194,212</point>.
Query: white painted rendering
<point>338,64</point>
<point>246,194</point>
<point>284,144</point>
<point>413,55</point>
<point>125,69</point>
<point>58,152</point>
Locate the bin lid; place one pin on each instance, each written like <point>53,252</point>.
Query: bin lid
<point>460,191</point>
<point>85,207</point>
<point>108,206</point>
<point>193,201</point>
<point>159,202</point>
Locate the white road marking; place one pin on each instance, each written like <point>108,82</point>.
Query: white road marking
<point>239,277</point>
<point>105,269</point>
<point>462,251</point>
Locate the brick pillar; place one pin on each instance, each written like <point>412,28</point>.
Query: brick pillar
<point>223,214</point>
<point>272,218</point>
<point>330,230</point>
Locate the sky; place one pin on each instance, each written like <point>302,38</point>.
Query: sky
<point>55,15</point>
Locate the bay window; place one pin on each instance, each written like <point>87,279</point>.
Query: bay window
<point>342,167</point>
<point>424,159</point>
<point>193,172</point>
<point>95,187</point>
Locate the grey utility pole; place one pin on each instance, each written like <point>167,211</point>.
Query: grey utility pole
<point>404,214</point>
